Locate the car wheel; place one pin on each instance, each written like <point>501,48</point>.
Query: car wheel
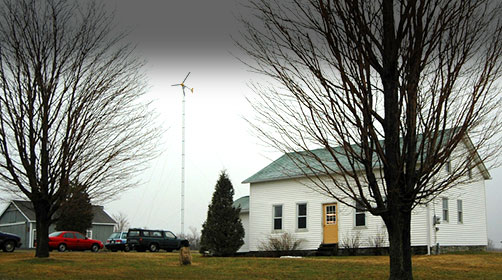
<point>95,248</point>
<point>62,247</point>
<point>153,247</point>
<point>126,248</point>
<point>9,246</point>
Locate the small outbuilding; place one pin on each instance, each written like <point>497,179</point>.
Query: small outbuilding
<point>19,218</point>
<point>243,204</point>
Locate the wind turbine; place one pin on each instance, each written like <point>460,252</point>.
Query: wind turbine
<point>183,86</point>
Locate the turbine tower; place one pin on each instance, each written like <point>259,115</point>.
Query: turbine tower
<point>183,86</point>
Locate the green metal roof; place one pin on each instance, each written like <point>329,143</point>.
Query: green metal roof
<point>243,203</point>
<point>301,164</point>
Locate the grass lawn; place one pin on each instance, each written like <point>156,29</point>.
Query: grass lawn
<point>133,265</point>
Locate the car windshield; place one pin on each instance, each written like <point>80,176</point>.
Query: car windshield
<point>54,234</point>
<point>114,235</point>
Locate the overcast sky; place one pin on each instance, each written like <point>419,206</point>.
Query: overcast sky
<point>188,35</point>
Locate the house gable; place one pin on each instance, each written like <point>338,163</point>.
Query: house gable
<point>12,215</point>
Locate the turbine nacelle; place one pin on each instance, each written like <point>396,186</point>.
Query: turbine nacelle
<point>182,84</point>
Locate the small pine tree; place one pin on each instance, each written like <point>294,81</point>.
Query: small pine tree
<point>76,211</point>
<point>222,232</point>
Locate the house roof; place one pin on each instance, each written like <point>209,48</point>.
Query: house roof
<point>243,203</point>
<point>26,208</point>
<point>288,165</point>
<point>301,164</point>
<point>100,216</point>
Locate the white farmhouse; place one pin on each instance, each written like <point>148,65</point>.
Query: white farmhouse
<point>279,201</point>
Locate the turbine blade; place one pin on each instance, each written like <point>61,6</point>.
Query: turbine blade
<point>176,85</point>
<point>186,78</point>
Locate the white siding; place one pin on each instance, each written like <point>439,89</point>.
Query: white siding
<point>473,229</point>
<point>288,193</point>
<point>291,192</point>
<point>245,224</point>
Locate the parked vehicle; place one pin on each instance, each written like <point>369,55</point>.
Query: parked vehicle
<point>153,240</point>
<point>117,241</point>
<point>9,241</point>
<point>72,240</point>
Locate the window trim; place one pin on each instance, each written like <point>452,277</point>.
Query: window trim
<point>274,218</point>
<point>460,211</point>
<point>448,166</point>
<point>470,168</point>
<point>303,216</point>
<point>445,212</point>
<point>88,233</point>
<point>359,212</point>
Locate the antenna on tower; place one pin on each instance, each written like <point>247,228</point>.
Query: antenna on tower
<point>183,86</point>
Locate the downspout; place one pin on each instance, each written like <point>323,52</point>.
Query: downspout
<point>435,230</point>
<point>428,229</point>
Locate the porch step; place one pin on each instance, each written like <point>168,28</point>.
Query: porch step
<point>327,250</point>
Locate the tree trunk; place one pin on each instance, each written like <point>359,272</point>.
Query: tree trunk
<point>43,222</point>
<point>398,227</point>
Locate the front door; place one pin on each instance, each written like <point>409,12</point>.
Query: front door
<point>330,223</point>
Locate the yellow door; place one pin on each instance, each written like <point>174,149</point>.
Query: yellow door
<point>330,223</point>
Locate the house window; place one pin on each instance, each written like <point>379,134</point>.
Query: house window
<point>88,233</point>
<point>302,215</point>
<point>460,212</point>
<point>469,169</point>
<point>445,209</point>
<point>448,166</point>
<point>277,217</point>
<point>360,217</point>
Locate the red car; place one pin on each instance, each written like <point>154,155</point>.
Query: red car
<point>72,240</point>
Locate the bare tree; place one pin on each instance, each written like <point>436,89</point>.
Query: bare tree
<point>122,222</point>
<point>389,89</point>
<point>71,106</point>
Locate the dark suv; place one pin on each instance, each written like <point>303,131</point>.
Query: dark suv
<point>141,239</point>
<point>9,241</point>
